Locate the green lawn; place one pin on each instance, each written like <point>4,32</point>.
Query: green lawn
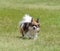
<point>12,11</point>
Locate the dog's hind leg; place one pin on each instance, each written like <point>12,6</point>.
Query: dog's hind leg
<point>22,32</point>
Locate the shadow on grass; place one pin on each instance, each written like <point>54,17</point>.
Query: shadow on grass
<point>23,38</point>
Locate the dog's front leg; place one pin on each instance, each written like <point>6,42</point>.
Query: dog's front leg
<point>35,36</point>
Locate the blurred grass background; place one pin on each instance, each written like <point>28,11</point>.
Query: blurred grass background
<point>12,11</point>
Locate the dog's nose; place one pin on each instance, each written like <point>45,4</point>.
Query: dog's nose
<point>34,28</point>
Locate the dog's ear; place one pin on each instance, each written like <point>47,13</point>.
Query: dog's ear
<point>32,20</point>
<point>37,20</point>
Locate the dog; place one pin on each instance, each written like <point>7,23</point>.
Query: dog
<point>29,27</point>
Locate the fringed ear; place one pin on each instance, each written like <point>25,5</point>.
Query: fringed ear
<point>32,20</point>
<point>37,20</point>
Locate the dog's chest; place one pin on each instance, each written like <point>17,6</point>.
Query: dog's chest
<point>31,31</point>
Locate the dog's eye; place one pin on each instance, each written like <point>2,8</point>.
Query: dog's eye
<point>38,25</point>
<point>34,25</point>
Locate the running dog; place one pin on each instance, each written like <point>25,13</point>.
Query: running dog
<point>29,26</point>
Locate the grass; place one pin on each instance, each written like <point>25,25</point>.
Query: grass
<point>12,11</point>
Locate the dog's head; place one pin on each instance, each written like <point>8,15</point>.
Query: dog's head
<point>34,25</point>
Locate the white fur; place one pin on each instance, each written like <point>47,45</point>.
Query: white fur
<point>26,18</point>
<point>32,33</point>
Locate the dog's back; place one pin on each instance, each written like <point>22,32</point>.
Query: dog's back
<point>25,23</point>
